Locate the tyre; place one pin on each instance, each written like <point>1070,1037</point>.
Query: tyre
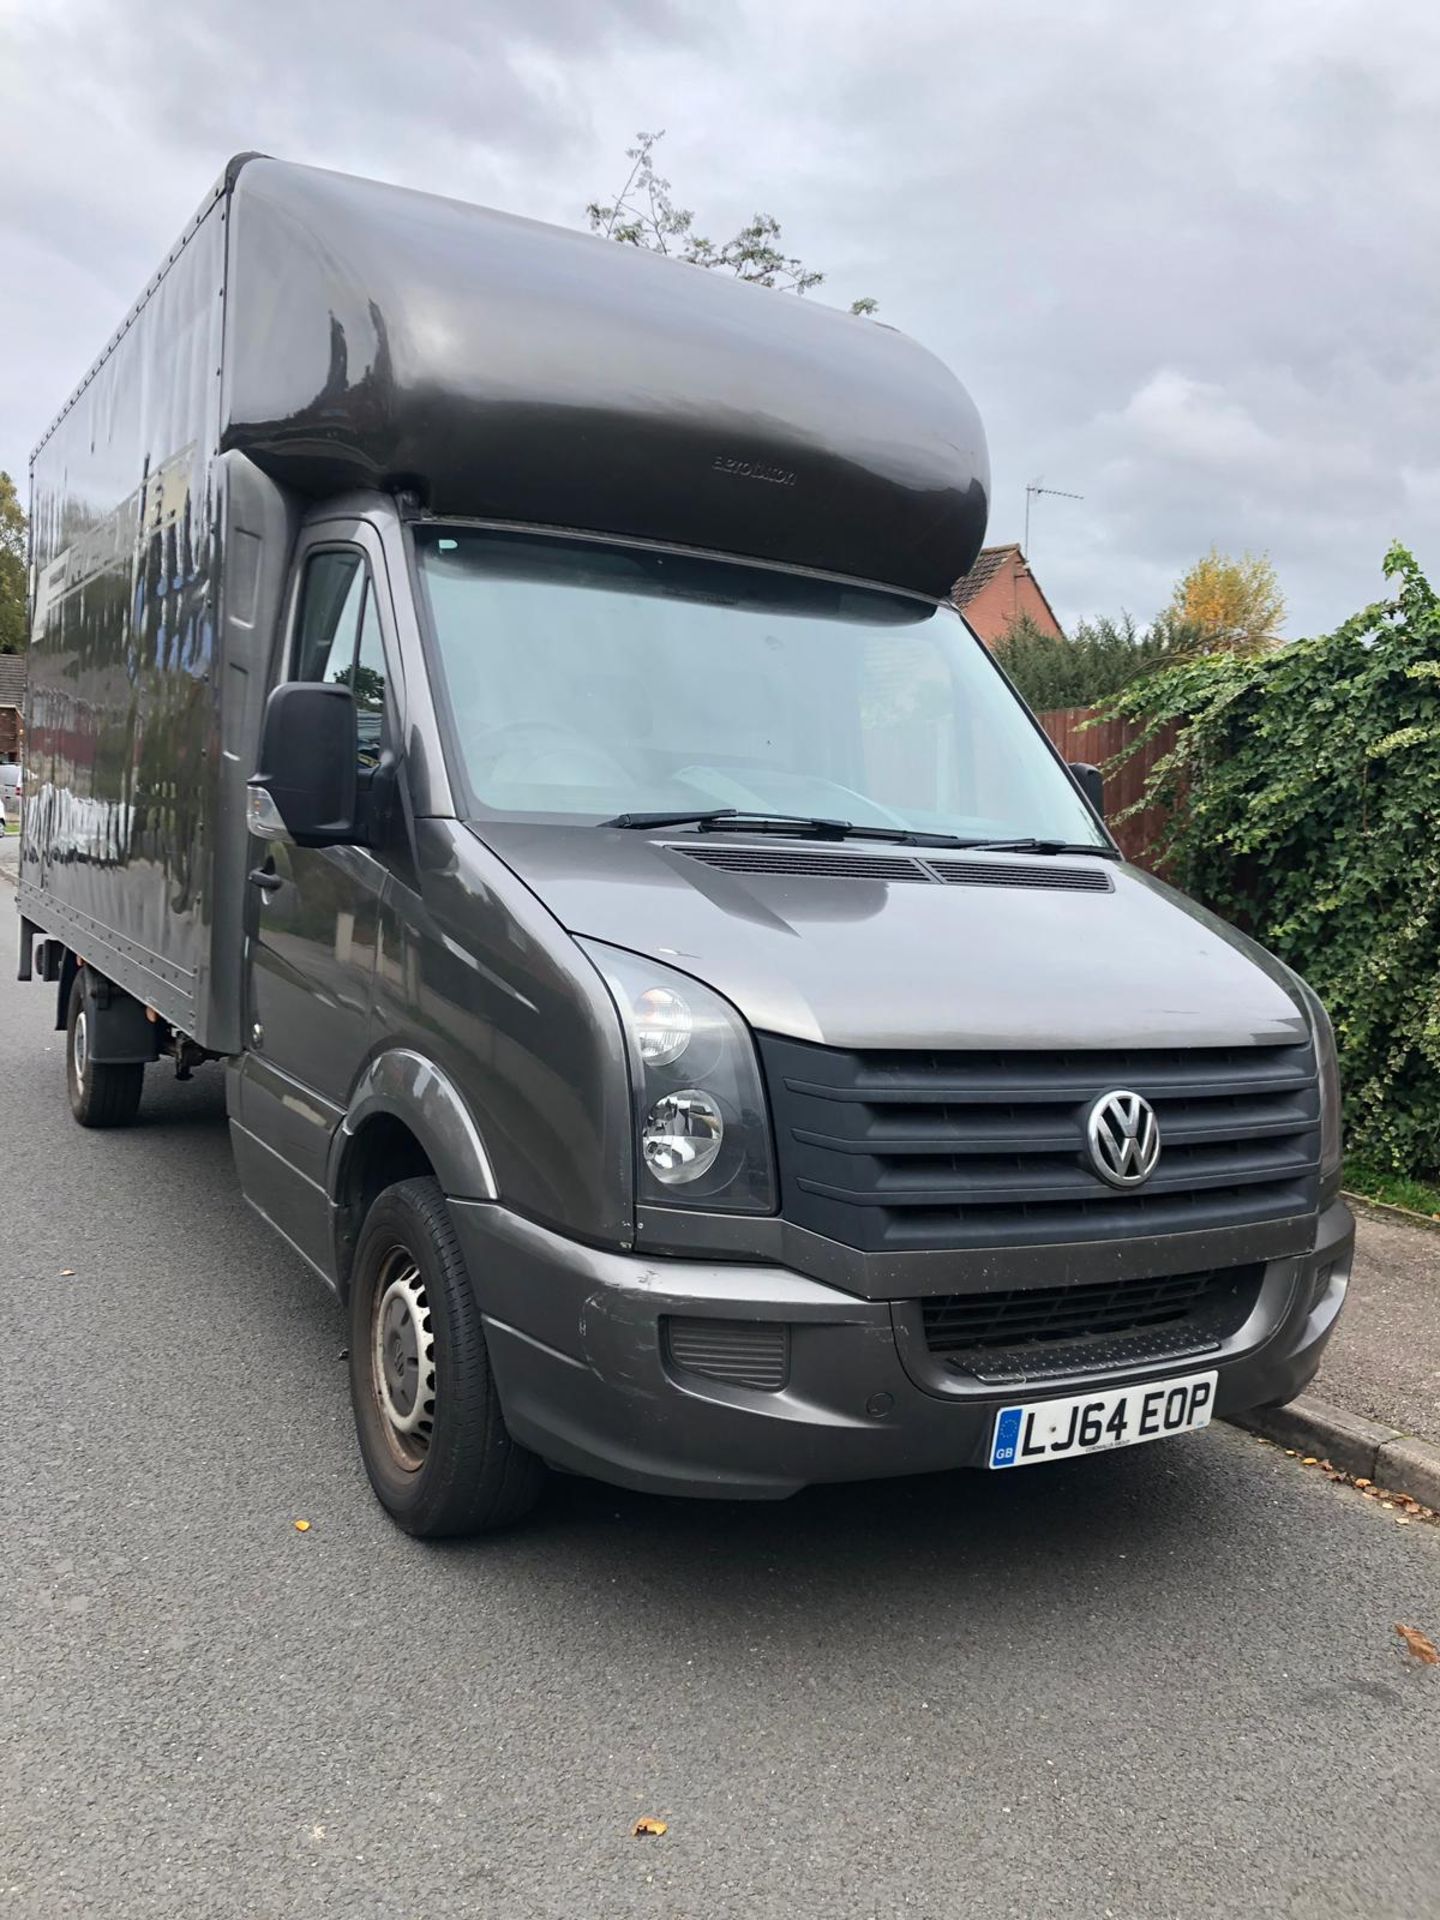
<point>434,1440</point>
<point>100,1096</point>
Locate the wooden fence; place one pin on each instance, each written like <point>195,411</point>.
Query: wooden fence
<point>1078,736</point>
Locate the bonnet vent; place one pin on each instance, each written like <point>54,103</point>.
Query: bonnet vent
<point>832,864</point>
<point>819,863</point>
<point>1010,873</point>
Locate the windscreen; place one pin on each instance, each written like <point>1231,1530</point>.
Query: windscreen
<point>586,680</point>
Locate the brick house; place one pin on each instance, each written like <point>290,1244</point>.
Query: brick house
<point>12,702</point>
<point>998,589</point>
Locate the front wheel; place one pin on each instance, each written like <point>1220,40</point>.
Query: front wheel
<point>434,1441</point>
<point>101,1094</point>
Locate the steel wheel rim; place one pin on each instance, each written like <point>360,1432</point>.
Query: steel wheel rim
<point>402,1359</point>
<point>80,1046</point>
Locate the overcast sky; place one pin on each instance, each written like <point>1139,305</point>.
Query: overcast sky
<point>1185,258</point>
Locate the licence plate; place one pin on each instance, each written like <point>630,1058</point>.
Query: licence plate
<point>1094,1422</point>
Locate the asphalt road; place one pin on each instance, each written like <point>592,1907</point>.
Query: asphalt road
<point>1164,1684</point>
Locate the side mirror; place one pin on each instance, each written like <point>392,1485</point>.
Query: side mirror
<point>1091,784</point>
<point>305,785</point>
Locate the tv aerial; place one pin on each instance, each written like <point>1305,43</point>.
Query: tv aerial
<point>1033,491</point>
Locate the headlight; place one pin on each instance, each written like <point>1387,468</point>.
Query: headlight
<point>662,1026</point>
<point>700,1120</point>
<point>682,1137</point>
<point>1332,1147</point>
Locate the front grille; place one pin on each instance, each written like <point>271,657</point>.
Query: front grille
<point>1030,1331</point>
<point>896,1151</point>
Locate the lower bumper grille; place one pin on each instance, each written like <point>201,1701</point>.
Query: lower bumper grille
<point>1031,1332</point>
<point>741,1353</point>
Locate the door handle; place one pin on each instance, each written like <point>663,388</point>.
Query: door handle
<point>265,878</point>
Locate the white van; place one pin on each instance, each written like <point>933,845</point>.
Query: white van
<point>9,794</point>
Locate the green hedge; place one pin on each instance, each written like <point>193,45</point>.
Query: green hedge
<point>1101,658</point>
<point>1303,802</point>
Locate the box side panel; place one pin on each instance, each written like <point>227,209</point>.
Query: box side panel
<point>117,857</point>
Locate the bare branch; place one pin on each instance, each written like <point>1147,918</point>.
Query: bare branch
<point>644,215</point>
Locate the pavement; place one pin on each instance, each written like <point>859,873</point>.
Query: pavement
<point>1374,1409</point>
<point>1384,1361</point>
<point>1162,1683</point>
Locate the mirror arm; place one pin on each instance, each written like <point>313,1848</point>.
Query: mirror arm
<point>378,793</point>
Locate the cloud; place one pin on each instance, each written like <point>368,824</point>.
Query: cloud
<point>1194,424</point>
<point>1185,259</point>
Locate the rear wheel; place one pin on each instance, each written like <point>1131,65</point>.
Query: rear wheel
<point>101,1095</point>
<point>434,1441</point>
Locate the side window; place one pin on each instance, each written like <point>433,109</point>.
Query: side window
<point>330,600</point>
<point>338,639</point>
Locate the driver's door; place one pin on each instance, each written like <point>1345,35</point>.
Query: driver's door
<point>314,912</point>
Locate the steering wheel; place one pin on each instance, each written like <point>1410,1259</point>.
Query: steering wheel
<point>575,756</point>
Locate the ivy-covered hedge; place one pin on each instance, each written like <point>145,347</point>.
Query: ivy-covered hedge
<point>1303,804</point>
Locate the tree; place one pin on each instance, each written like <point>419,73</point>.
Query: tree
<point>644,215</point>
<point>1101,658</point>
<point>12,568</point>
<point>366,683</point>
<point>1231,606</point>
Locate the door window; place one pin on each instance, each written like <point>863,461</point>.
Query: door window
<point>330,601</point>
<point>338,639</point>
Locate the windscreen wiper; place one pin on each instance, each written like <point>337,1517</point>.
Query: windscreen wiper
<point>811,825</point>
<point>727,816</point>
<point>1037,846</point>
<point>723,819</point>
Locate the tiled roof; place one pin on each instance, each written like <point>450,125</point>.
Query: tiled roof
<point>12,679</point>
<point>988,563</point>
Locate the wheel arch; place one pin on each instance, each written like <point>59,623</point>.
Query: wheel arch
<point>405,1117</point>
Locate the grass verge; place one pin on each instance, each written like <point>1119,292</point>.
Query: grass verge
<point>1393,1189</point>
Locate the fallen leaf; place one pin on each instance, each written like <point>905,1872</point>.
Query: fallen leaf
<point>646,1825</point>
<point>1310,1461</point>
<point>302,1526</point>
<point>1362,1484</point>
<point>67,1273</point>
<point>1419,1644</point>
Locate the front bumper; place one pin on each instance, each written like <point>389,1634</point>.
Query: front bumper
<point>576,1344</point>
